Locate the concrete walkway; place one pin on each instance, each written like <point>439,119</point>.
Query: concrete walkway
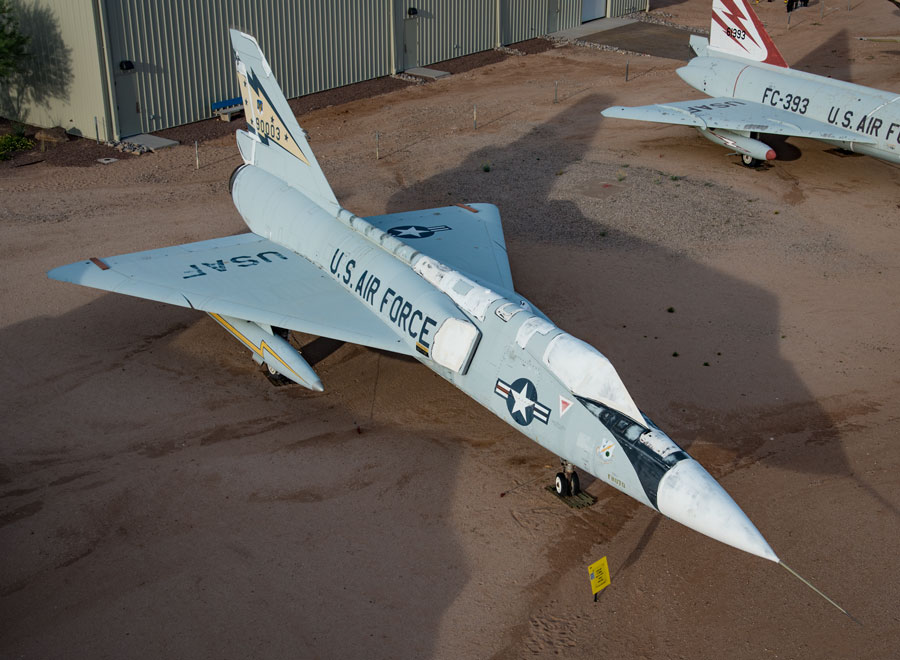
<point>591,27</point>
<point>424,72</point>
<point>152,142</point>
<point>632,35</point>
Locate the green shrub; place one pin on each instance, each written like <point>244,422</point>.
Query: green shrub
<point>10,144</point>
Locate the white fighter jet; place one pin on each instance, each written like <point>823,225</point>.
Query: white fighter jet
<point>755,93</point>
<point>432,284</point>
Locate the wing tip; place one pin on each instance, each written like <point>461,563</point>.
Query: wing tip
<point>67,273</point>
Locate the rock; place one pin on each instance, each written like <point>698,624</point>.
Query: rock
<point>55,135</point>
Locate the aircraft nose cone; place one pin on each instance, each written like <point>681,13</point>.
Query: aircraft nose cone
<point>689,495</point>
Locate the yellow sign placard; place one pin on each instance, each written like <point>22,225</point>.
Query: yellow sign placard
<point>599,572</point>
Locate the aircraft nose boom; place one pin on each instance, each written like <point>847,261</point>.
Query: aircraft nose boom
<point>689,495</point>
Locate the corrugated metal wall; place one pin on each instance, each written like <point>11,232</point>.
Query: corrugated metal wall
<point>448,29</point>
<point>624,7</point>
<point>569,14</point>
<point>144,65</point>
<point>592,10</point>
<point>527,19</point>
<point>522,19</point>
<point>182,59</point>
<point>66,88</point>
<point>182,56</point>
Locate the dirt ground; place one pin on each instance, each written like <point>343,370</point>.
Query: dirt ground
<point>159,498</point>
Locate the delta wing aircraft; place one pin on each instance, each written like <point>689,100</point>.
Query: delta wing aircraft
<point>434,285</point>
<point>755,93</point>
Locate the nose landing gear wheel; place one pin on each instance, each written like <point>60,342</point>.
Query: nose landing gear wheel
<point>574,486</point>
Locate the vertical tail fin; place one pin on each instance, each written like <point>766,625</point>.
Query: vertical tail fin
<point>274,141</point>
<point>736,30</point>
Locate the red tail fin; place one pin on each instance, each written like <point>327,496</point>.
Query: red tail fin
<point>736,30</point>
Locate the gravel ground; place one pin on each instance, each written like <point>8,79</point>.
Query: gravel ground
<point>158,498</point>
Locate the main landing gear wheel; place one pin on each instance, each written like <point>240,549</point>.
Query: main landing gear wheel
<point>746,159</point>
<point>562,484</point>
<point>574,485</point>
<point>749,161</point>
<point>274,377</point>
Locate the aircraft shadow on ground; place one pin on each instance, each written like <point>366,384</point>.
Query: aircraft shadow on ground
<point>101,435</point>
<point>830,59</point>
<point>784,150</point>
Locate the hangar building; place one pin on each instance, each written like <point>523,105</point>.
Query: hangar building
<point>115,68</point>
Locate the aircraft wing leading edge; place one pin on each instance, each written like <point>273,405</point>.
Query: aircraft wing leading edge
<point>245,277</point>
<point>736,115</point>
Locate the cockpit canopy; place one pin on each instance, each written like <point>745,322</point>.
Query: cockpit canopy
<point>587,373</point>
<point>648,440</point>
<point>594,382</point>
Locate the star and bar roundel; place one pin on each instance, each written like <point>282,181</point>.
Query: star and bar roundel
<point>416,231</point>
<point>522,401</point>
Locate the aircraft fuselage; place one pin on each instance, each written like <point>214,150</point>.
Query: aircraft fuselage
<point>504,353</point>
<point>873,114</point>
